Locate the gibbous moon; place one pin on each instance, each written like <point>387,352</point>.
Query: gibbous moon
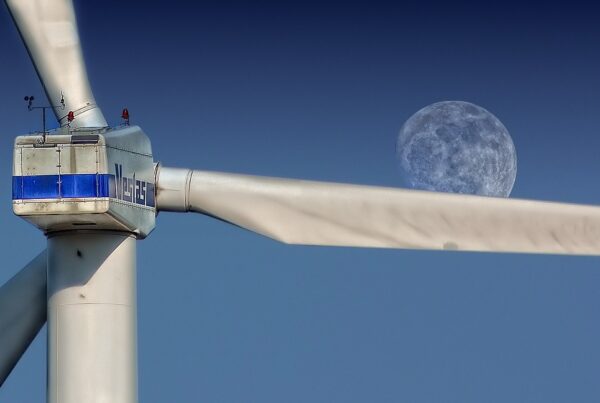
<point>458,147</point>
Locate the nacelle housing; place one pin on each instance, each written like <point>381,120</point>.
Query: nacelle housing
<point>97,179</point>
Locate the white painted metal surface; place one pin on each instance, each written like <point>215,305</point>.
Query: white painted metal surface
<point>320,213</point>
<point>22,312</point>
<point>86,179</point>
<point>92,347</point>
<point>130,159</point>
<point>49,30</point>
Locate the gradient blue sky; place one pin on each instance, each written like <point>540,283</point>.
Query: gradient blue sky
<point>319,90</point>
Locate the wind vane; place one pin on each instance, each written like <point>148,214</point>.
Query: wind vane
<point>30,98</point>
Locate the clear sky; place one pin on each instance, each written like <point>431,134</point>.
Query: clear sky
<point>319,90</point>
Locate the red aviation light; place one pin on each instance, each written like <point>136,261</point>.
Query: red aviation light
<point>70,116</point>
<point>125,115</point>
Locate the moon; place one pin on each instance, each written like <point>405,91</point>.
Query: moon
<point>458,147</point>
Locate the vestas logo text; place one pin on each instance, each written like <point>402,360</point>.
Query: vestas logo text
<point>131,189</point>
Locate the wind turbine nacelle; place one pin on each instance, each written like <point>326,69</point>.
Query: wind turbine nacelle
<point>97,179</point>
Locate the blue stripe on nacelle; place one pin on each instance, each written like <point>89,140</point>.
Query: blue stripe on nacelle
<point>72,186</point>
<point>66,186</point>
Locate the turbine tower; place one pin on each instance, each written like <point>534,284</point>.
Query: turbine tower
<point>95,190</point>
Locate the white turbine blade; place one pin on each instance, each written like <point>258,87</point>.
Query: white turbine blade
<point>49,30</point>
<point>320,213</point>
<point>22,312</point>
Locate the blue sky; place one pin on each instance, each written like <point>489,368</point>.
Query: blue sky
<point>319,91</point>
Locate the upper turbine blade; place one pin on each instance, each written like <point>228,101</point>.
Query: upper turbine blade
<point>22,312</point>
<point>320,213</point>
<point>49,30</point>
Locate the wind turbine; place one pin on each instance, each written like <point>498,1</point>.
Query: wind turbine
<point>94,190</point>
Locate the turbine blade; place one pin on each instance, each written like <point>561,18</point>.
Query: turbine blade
<point>49,31</point>
<point>22,312</point>
<point>319,213</point>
